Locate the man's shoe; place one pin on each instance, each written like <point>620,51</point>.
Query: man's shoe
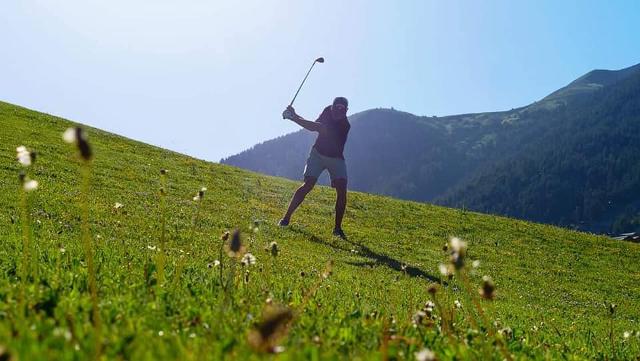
<point>338,232</point>
<point>283,222</point>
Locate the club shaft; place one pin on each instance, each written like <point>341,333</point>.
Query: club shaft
<point>300,87</point>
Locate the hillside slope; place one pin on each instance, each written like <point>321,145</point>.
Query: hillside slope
<point>441,159</point>
<point>552,284</point>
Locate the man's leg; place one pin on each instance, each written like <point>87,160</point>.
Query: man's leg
<point>341,201</point>
<point>298,197</point>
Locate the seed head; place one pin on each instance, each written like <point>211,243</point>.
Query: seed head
<point>200,194</point>
<point>24,156</point>
<point>425,355</point>
<point>30,185</point>
<point>273,248</point>
<point>274,325</point>
<point>235,248</point>
<point>458,252</point>
<point>418,318</point>
<point>488,290</point>
<point>248,259</point>
<point>78,137</point>
<point>433,288</point>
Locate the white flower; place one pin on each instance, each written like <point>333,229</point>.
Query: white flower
<point>626,334</point>
<point>203,189</point>
<point>457,304</point>
<point>445,270</point>
<point>30,185</point>
<point>69,135</point>
<point>248,259</point>
<point>425,355</point>
<point>152,248</point>
<point>23,156</point>
<point>457,245</point>
<point>475,264</point>
<point>216,263</point>
<point>118,205</point>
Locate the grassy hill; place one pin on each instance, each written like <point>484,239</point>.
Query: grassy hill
<point>554,286</point>
<point>568,159</point>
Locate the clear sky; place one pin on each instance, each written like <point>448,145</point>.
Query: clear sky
<point>211,78</point>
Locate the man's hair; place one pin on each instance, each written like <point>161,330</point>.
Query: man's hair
<point>341,100</point>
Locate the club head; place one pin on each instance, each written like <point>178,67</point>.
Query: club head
<point>320,60</point>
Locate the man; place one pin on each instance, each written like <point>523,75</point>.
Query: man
<point>332,127</point>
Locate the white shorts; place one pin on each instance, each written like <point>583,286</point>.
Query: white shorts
<point>316,163</point>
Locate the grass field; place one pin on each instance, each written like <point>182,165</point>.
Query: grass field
<point>182,296</point>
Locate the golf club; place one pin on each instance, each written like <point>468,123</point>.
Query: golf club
<point>319,60</point>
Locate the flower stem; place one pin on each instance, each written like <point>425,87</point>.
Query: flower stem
<point>88,251</point>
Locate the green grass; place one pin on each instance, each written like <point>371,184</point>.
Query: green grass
<point>553,285</point>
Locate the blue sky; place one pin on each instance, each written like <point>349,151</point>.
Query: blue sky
<point>211,78</point>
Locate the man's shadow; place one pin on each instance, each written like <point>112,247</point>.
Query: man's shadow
<point>375,258</point>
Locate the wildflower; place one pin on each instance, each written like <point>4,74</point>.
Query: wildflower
<point>78,137</point>
<point>418,318</point>
<point>30,185</point>
<point>433,288</point>
<point>475,264</point>
<point>160,333</point>
<point>328,270</point>
<point>255,226</point>
<point>425,355</point>
<point>200,194</point>
<point>152,248</point>
<point>273,248</point>
<point>118,205</point>
<point>458,252</point>
<point>248,259</point>
<point>446,270</point>
<point>506,332</point>
<point>69,135</point>
<point>488,288</point>
<point>626,334</point>
<point>235,248</point>
<point>274,325</point>
<point>457,304</point>
<point>428,308</point>
<point>163,172</point>
<point>25,157</point>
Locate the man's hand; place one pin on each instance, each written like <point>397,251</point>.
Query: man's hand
<point>289,113</point>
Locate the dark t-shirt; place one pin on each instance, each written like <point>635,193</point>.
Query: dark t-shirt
<point>330,142</point>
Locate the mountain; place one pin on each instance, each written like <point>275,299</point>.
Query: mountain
<point>551,283</point>
<point>566,159</point>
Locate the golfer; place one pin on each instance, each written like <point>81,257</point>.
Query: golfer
<point>332,127</point>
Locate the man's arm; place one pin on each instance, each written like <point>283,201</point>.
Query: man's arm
<point>290,113</point>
